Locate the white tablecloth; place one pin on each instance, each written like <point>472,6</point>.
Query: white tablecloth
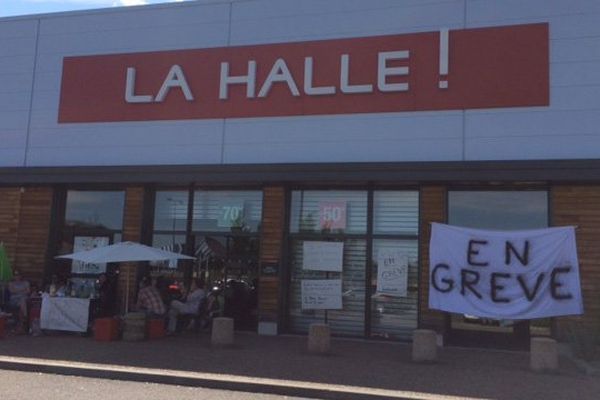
<point>65,313</point>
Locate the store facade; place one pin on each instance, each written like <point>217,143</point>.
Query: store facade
<point>237,131</point>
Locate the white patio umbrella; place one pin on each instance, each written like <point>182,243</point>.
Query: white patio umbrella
<point>124,252</point>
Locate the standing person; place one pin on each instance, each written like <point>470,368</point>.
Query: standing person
<point>193,299</point>
<point>19,290</point>
<point>35,309</point>
<point>149,299</point>
<point>106,297</point>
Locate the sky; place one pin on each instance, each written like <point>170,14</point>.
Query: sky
<point>10,8</point>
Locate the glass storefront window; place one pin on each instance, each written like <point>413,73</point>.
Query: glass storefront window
<point>225,211</point>
<point>348,321</point>
<point>502,210</point>
<point>171,211</point>
<point>95,209</point>
<point>227,257</point>
<point>395,317</point>
<point>170,224</point>
<point>225,239</point>
<point>344,216</point>
<point>396,212</point>
<point>92,218</point>
<point>169,242</point>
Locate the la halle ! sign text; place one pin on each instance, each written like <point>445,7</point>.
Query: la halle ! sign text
<point>459,69</point>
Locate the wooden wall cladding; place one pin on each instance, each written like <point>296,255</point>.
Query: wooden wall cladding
<point>24,228</point>
<point>10,201</point>
<point>432,208</point>
<point>34,228</point>
<point>132,231</point>
<point>271,244</point>
<point>580,206</point>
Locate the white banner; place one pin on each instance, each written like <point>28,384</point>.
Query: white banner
<point>321,294</point>
<point>504,274</point>
<point>64,313</point>
<point>392,272</point>
<point>323,256</point>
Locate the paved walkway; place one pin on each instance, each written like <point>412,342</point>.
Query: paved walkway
<point>280,364</point>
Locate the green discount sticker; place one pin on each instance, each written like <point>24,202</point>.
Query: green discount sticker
<point>231,215</point>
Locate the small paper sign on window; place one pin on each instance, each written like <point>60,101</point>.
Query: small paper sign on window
<point>322,294</point>
<point>392,273</point>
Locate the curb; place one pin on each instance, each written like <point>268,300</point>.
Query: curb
<point>213,381</point>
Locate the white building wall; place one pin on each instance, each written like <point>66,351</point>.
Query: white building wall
<point>122,31</point>
<point>568,128</point>
<point>17,57</point>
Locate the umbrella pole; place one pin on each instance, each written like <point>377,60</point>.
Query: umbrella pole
<point>127,293</point>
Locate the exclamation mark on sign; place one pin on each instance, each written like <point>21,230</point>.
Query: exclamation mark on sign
<point>443,83</point>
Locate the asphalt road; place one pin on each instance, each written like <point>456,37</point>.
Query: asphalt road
<point>26,385</point>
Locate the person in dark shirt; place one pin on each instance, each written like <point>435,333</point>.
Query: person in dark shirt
<point>19,294</point>
<point>106,297</point>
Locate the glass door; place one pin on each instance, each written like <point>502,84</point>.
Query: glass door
<point>379,297</point>
<point>226,244</point>
<point>329,218</point>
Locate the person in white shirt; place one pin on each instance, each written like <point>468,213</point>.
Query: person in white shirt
<point>193,300</point>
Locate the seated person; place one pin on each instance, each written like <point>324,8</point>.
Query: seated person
<point>58,286</point>
<point>61,289</point>
<point>18,289</point>
<point>191,305</point>
<point>149,299</point>
<point>212,309</point>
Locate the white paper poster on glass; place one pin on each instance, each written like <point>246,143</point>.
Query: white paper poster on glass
<point>82,243</point>
<point>392,273</point>
<point>321,294</point>
<point>323,256</point>
<point>504,274</point>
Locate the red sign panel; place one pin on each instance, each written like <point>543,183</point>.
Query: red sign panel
<point>461,69</point>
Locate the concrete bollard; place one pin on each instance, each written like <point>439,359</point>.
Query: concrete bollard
<point>319,339</point>
<point>222,331</point>
<point>134,327</point>
<point>424,345</point>
<point>543,354</point>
